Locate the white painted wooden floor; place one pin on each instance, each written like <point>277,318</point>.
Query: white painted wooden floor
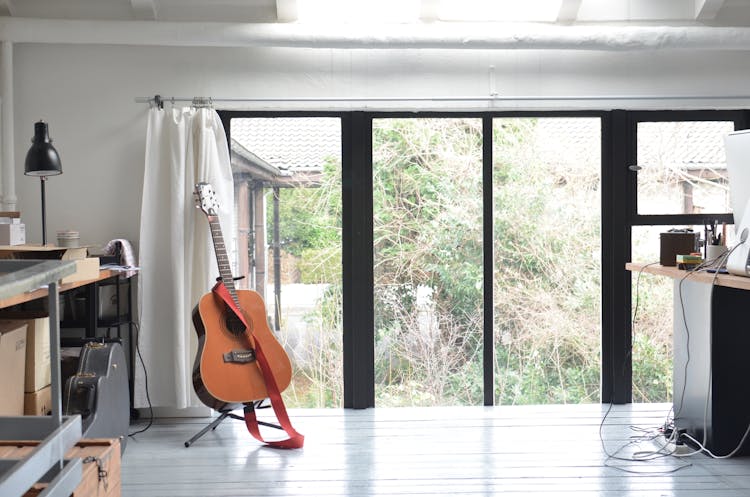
<point>459,451</point>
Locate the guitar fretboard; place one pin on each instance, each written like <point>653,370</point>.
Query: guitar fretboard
<point>222,259</point>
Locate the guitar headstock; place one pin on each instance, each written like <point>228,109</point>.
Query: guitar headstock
<point>205,199</point>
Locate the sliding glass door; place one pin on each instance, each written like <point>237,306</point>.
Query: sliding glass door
<point>427,230</point>
<point>287,173</point>
<point>546,190</point>
<point>428,260</point>
<point>485,244</point>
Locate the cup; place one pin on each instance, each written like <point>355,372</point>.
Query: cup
<point>715,254</point>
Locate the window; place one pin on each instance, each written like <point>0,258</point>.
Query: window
<point>681,183</point>
<point>682,167</point>
<point>287,173</point>
<point>512,243</point>
<point>547,271</point>
<point>427,227</point>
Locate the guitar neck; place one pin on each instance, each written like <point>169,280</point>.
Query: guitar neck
<point>222,259</point>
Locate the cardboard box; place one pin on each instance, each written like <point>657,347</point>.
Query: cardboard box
<point>38,251</point>
<point>86,269</point>
<point>101,467</point>
<point>12,368</point>
<point>38,366</point>
<point>38,403</point>
<point>73,253</point>
<point>12,233</point>
<point>10,216</point>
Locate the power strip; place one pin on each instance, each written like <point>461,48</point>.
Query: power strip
<point>680,449</point>
<point>677,449</point>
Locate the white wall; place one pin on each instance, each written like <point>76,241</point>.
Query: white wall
<point>87,92</point>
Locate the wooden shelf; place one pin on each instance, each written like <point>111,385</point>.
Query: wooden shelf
<point>728,280</point>
<point>58,434</point>
<point>42,292</point>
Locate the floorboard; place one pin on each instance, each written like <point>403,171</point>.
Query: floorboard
<point>555,450</point>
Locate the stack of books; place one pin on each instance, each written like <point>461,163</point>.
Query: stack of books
<point>689,261</point>
<point>12,230</point>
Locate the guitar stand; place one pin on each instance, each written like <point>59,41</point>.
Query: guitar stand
<point>227,413</point>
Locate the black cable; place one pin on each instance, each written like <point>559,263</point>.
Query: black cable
<point>145,381</point>
<point>637,291</point>
<point>652,455</point>
<point>628,355</point>
<point>687,343</point>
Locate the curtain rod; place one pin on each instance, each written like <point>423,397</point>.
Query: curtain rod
<point>208,101</point>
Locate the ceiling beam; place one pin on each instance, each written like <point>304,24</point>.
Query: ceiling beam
<point>287,10</point>
<point>568,10</point>
<point>144,10</point>
<point>706,10</point>
<point>477,36</point>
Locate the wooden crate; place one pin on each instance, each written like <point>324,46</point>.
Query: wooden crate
<point>101,465</point>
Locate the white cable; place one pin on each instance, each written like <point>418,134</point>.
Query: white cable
<point>702,446</point>
<point>650,435</point>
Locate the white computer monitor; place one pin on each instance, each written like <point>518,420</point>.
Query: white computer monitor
<point>737,147</point>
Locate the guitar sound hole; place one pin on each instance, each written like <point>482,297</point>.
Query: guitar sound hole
<point>234,324</point>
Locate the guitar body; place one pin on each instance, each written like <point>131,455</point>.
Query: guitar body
<point>219,382</point>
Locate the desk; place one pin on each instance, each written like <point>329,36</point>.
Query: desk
<point>39,293</point>
<point>92,321</point>
<point>58,435</point>
<point>727,280</point>
<point>711,355</point>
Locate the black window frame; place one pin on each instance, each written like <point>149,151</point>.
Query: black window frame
<point>618,216</point>
<point>634,117</point>
<point>617,385</point>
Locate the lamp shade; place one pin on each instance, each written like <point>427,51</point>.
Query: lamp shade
<point>42,158</point>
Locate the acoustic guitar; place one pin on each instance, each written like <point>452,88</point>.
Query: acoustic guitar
<point>226,371</point>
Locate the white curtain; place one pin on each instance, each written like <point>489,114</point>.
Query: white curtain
<point>183,146</point>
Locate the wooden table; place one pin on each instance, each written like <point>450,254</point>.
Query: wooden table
<point>42,292</point>
<point>711,355</point>
<point>727,280</point>
<point>91,322</point>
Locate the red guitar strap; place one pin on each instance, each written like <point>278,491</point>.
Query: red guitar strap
<point>296,440</point>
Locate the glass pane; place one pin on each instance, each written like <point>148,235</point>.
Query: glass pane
<point>427,216</point>
<point>290,169</point>
<point>652,312</point>
<point>683,167</point>
<point>546,188</point>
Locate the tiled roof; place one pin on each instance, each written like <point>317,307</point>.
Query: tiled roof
<point>567,132</point>
<point>303,144</point>
<point>685,144</point>
<point>294,144</point>
<point>692,144</point>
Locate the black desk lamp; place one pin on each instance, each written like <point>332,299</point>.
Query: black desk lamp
<point>42,160</point>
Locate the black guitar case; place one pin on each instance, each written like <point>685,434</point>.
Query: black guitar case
<point>99,392</point>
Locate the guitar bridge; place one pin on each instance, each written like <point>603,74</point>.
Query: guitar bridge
<point>240,356</point>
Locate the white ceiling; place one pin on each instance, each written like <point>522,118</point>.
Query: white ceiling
<point>641,12</point>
